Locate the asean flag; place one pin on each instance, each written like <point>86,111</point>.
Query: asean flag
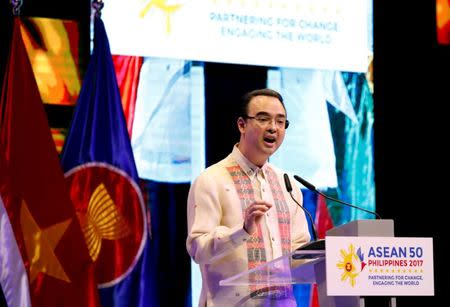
<point>103,182</point>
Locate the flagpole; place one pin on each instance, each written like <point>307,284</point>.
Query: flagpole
<point>98,6</point>
<point>16,4</point>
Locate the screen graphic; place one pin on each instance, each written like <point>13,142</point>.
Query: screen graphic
<point>323,34</point>
<point>52,47</point>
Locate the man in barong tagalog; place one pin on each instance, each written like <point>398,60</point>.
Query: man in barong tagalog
<point>240,214</point>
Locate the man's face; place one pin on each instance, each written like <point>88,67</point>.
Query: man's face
<point>262,132</point>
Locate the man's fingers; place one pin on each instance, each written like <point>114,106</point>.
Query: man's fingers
<point>256,214</point>
<point>262,203</point>
<point>255,207</point>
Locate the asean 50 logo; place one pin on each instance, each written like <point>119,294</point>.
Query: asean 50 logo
<point>351,263</point>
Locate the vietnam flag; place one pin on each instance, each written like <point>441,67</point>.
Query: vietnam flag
<point>48,263</point>
<point>104,185</point>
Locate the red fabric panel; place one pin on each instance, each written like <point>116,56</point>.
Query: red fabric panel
<point>127,72</point>
<point>323,217</point>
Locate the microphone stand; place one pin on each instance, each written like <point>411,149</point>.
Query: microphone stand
<point>316,244</point>
<point>311,187</point>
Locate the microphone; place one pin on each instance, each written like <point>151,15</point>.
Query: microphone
<point>287,182</point>
<point>311,187</point>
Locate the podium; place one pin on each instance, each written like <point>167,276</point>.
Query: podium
<point>307,265</point>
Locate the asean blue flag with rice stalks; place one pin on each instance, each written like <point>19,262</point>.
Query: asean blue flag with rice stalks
<point>103,182</point>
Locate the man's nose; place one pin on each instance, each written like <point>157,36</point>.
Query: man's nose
<point>272,127</point>
<point>273,124</point>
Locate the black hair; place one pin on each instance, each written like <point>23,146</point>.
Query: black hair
<point>245,99</point>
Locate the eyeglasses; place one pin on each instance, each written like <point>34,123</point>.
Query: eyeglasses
<point>264,120</point>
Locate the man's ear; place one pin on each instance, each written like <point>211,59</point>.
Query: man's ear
<point>241,124</point>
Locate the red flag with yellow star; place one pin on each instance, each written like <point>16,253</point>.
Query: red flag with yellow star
<point>42,217</point>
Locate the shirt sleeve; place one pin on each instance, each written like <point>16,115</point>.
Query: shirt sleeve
<point>207,239</point>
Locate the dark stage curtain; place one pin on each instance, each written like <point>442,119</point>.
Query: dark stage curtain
<point>168,256</point>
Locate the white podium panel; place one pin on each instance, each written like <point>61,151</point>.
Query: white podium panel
<point>379,266</point>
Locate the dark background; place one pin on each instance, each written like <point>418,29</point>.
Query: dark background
<point>412,77</point>
<point>412,81</point>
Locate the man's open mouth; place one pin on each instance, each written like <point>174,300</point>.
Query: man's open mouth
<point>269,139</point>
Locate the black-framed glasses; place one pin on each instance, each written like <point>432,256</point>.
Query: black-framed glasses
<point>264,120</point>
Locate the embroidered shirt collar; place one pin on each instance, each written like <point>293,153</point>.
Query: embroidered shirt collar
<point>248,167</point>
